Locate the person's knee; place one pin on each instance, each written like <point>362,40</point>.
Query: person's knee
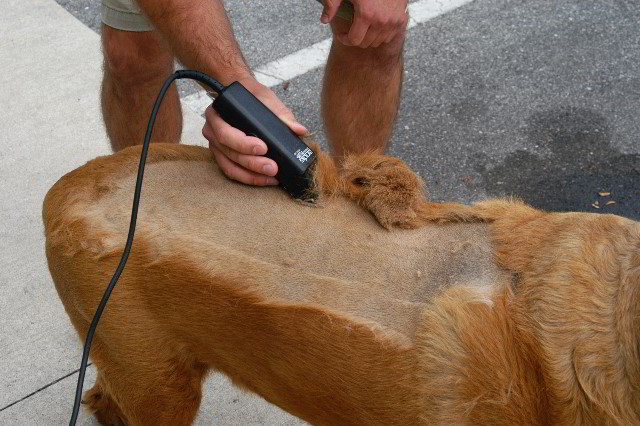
<point>395,48</point>
<point>386,54</point>
<point>133,58</point>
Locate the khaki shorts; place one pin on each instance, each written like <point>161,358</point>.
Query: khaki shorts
<point>124,15</point>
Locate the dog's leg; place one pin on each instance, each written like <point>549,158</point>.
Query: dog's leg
<point>148,390</point>
<point>142,380</point>
<point>102,405</point>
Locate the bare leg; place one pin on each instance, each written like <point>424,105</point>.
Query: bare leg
<point>361,95</point>
<point>135,67</point>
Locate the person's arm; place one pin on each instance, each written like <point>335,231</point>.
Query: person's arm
<point>200,35</point>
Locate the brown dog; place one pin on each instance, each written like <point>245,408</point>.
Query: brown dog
<point>490,314</point>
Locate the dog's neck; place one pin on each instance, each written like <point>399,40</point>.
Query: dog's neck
<point>591,374</point>
<point>595,279</point>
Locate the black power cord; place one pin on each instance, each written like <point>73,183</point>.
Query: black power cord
<point>217,87</point>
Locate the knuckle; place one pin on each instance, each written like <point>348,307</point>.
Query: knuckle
<point>364,9</point>
<point>228,154</point>
<point>221,148</point>
<point>231,173</point>
<point>367,14</point>
<point>252,165</point>
<point>215,131</point>
<point>232,155</point>
<point>224,136</point>
<point>220,162</point>
<point>207,132</point>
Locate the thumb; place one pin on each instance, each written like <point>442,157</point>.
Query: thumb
<point>330,10</point>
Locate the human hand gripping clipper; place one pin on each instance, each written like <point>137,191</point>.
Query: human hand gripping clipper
<point>239,108</point>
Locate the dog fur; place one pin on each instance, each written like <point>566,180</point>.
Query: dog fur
<point>489,314</point>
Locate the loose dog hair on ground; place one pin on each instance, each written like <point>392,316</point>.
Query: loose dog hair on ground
<point>374,306</point>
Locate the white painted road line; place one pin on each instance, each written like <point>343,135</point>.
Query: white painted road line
<point>424,10</point>
<point>315,56</point>
<point>296,64</point>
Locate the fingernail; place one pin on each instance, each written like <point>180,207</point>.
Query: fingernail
<point>258,150</point>
<point>268,169</point>
<point>303,129</point>
<point>324,18</point>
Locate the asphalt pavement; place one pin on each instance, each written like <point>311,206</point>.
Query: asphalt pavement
<point>532,99</point>
<point>527,98</point>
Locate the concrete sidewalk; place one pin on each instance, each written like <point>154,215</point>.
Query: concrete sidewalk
<point>50,71</point>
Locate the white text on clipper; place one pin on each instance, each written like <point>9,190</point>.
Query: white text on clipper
<point>303,156</point>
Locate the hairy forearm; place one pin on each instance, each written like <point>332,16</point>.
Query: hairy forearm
<point>200,35</point>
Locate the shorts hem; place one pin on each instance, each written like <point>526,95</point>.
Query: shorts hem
<point>125,21</point>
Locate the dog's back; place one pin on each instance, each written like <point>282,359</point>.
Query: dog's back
<point>316,308</point>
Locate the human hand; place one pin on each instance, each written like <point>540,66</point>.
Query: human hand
<point>241,157</point>
<point>375,22</point>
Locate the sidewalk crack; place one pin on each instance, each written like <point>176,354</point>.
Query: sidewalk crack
<point>41,389</point>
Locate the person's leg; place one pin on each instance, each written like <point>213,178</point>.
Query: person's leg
<point>361,94</point>
<point>135,67</point>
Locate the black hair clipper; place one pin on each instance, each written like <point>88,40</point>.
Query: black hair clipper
<point>239,108</point>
